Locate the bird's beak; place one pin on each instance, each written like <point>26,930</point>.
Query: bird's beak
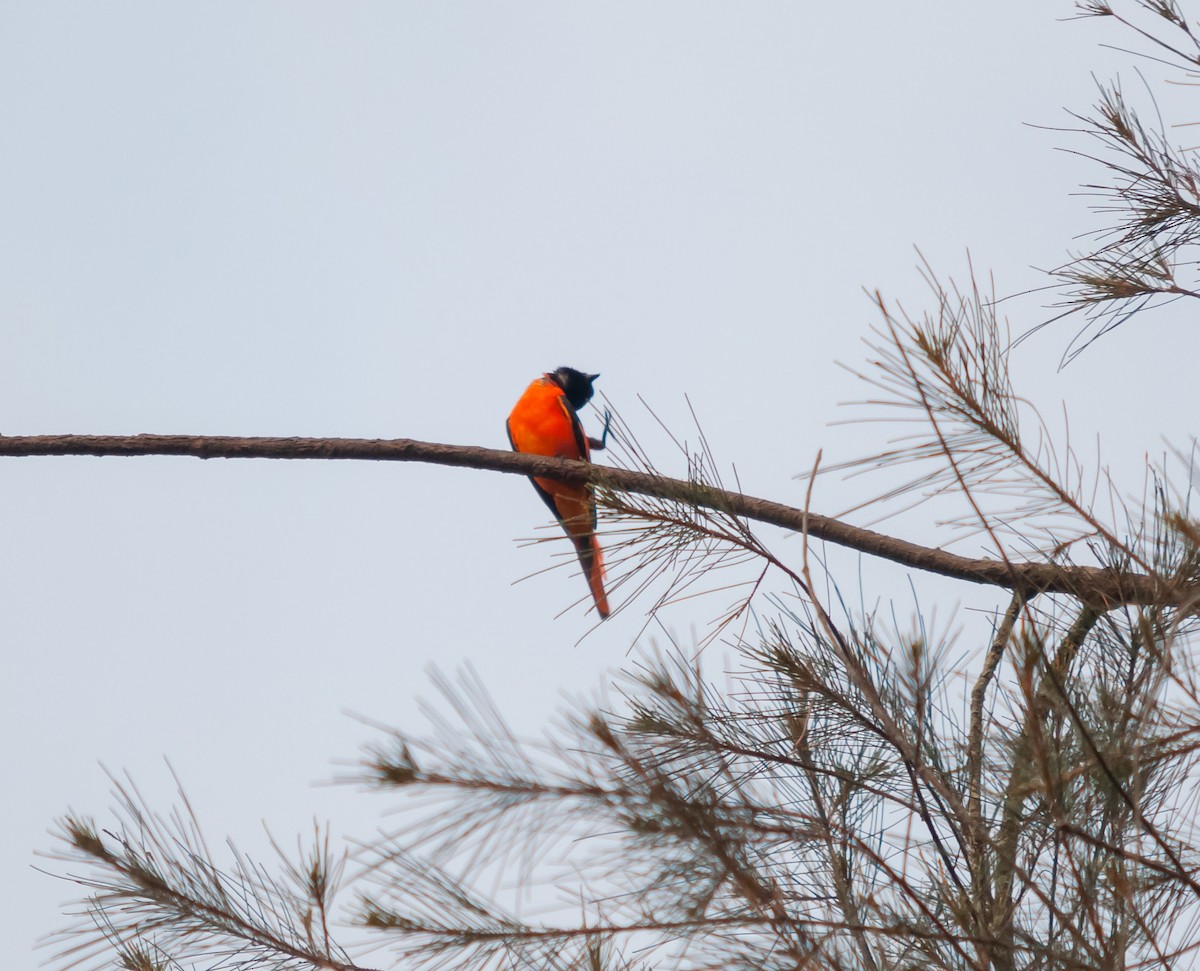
<point>592,377</point>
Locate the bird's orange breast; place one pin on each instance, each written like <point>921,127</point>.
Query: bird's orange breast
<point>543,423</point>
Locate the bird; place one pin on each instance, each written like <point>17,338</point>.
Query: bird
<point>545,421</point>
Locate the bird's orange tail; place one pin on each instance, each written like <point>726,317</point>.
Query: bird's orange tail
<point>592,562</point>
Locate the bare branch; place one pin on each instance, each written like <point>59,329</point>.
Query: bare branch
<point>1102,586</point>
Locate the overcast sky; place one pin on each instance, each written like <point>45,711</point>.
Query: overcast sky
<point>383,220</point>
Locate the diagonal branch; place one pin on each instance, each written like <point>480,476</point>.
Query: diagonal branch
<point>1103,587</point>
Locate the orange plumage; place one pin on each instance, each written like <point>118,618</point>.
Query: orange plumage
<point>545,421</point>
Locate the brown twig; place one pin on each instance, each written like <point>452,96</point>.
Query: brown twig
<point>1106,588</point>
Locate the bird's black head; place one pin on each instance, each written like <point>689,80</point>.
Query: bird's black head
<point>576,385</point>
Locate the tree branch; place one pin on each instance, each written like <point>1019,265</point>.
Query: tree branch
<point>1105,588</point>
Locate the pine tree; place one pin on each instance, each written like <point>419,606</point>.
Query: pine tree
<point>839,800</point>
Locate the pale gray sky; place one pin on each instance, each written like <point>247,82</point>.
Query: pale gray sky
<point>383,220</point>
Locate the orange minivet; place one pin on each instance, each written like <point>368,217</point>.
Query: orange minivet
<point>545,421</point>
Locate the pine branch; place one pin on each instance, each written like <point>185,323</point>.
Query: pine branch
<point>1106,588</point>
